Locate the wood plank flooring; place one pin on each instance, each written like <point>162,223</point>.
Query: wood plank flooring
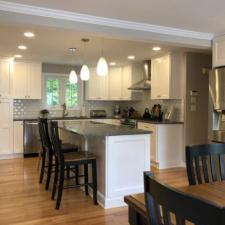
<point>24,202</point>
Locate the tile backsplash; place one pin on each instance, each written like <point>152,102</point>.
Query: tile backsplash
<point>31,108</point>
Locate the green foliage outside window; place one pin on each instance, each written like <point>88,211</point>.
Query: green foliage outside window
<point>52,92</point>
<point>71,97</point>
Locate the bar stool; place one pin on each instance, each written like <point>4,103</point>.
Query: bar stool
<point>48,153</point>
<point>71,160</point>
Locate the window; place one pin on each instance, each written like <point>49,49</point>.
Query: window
<point>58,91</point>
<point>52,92</point>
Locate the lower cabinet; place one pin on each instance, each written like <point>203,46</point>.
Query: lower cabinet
<point>18,137</point>
<point>6,127</point>
<point>167,144</point>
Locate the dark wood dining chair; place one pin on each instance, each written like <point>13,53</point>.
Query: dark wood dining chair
<point>48,153</point>
<point>166,206</point>
<point>71,160</point>
<point>205,163</point>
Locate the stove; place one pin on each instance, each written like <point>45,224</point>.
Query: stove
<point>128,122</point>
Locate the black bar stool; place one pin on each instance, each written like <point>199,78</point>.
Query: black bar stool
<point>71,160</point>
<point>48,153</point>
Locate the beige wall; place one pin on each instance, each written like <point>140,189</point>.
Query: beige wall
<point>197,121</point>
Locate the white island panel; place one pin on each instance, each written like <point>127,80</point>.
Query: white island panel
<point>127,157</point>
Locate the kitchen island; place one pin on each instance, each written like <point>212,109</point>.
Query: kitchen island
<point>123,153</point>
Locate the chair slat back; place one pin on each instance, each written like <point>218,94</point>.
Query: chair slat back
<point>205,163</point>
<point>166,206</point>
<point>44,134</point>
<point>56,142</point>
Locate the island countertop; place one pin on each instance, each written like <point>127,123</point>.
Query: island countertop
<point>91,129</point>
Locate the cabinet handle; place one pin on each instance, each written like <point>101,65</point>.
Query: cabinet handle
<point>159,96</point>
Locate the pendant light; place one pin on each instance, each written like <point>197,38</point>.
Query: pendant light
<point>73,76</point>
<point>102,66</point>
<point>84,73</point>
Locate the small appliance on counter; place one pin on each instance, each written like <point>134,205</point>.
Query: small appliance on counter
<point>117,112</point>
<point>98,114</point>
<point>146,114</point>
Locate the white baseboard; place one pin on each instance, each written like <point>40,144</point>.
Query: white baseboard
<point>11,156</point>
<point>171,164</point>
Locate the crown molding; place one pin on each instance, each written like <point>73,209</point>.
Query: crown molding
<point>101,21</point>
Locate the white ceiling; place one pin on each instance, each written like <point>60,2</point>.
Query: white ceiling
<point>51,45</point>
<point>200,15</point>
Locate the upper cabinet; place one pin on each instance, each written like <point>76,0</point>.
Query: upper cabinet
<point>113,87</point>
<point>219,51</point>
<point>27,80</point>
<point>167,76</point>
<point>97,87</point>
<point>5,78</point>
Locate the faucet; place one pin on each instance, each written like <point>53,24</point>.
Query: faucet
<point>64,112</point>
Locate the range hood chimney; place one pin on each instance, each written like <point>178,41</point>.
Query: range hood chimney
<point>145,83</point>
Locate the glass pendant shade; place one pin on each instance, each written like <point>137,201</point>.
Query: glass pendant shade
<point>102,67</point>
<point>85,73</point>
<point>73,77</point>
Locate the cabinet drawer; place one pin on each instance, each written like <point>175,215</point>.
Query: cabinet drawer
<point>147,126</point>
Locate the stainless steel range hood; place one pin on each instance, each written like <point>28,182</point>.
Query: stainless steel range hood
<point>144,84</point>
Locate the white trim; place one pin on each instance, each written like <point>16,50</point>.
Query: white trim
<point>11,156</point>
<point>172,164</point>
<point>102,21</point>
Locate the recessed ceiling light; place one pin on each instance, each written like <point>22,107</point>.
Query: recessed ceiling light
<point>156,48</point>
<point>29,34</point>
<point>72,49</point>
<point>112,63</point>
<point>22,47</point>
<point>18,56</point>
<point>131,57</point>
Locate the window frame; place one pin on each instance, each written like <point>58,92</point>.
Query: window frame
<point>62,92</point>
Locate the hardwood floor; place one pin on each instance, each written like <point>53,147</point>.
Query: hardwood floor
<point>24,202</point>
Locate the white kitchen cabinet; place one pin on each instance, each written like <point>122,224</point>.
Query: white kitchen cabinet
<point>5,78</point>
<point>126,83</point>
<point>115,83</point>
<point>27,80</point>
<point>113,87</point>
<point>18,137</point>
<point>167,76</point>
<point>167,144</point>
<point>219,51</point>
<point>97,87</point>
<point>6,126</point>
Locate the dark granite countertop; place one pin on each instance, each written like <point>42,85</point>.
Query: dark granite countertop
<point>160,122</point>
<point>89,128</point>
<point>56,118</point>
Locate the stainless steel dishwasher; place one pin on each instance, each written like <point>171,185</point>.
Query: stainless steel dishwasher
<point>32,144</point>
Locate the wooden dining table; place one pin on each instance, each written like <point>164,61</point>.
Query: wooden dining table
<point>211,192</point>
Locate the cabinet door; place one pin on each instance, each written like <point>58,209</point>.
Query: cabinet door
<point>160,77</point>
<point>126,82</point>
<point>20,72</point>
<point>18,137</point>
<point>153,149</point>
<point>6,127</point>
<point>5,79</point>
<point>92,86</point>
<point>115,83</point>
<point>103,86</point>
<point>34,81</point>
<point>219,51</point>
